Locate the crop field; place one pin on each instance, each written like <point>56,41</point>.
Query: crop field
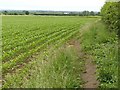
<point>60,49</point>
<point>58,52</point>
<point>24,36</point>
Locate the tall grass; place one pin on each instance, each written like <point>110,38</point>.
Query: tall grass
<point>61,70</point>
<point>102,45</point>
<point>54,68</point>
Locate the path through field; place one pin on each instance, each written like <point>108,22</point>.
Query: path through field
<point>0,81</point>
<point>37,36</point>
<point>89,75</point>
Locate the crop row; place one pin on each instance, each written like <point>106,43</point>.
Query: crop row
<point>24,36</point>
<point>36,41</point>
<point>24,71</point>
<point>21,58</point>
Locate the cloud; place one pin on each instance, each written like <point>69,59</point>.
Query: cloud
<point>70,5</point>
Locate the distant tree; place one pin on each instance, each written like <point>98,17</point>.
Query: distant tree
<point>85,13</point>
<point>15,13</point>
<point>71,13</point>
<point>5,12</point>
<point>26,12</point>
<point>98,13</point>
<point>92,13</point>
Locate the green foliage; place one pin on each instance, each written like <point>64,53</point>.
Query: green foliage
<point>111,15</point>
<point>26,12</point>
<point>52,68</point>
<point>60,72</point>
<point>102,45</point>
<point>52,13</point>
<point>24,36</point>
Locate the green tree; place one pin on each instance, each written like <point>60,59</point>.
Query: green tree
<point>92,13</point>
<point>111,15</point>
<point>5,12</point>
<point>85,13</point>
<point>26,12</point>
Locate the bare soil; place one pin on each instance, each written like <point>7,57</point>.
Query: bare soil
<point>89,76</point>
<point>0,81</point>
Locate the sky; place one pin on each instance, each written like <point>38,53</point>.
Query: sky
<point>55,5</point>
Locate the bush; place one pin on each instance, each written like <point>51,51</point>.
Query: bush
<point>102,46</point>
<point>111,15</point>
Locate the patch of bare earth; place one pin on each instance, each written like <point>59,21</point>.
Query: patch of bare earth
<point>89,75</point>
<point>0,81</point>
<point>76,45</point>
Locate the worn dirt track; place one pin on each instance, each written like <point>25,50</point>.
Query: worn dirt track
<point>89,76</point>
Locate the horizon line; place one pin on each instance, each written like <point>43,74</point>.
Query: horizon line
<point>47,10</point>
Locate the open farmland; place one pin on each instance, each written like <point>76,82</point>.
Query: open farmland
<point>24,36</point>
<point>60,48</point>
<point>58,52</point>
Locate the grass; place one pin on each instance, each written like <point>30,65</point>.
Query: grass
<point>26,36</point>
<point>59,68</point>
<point>102,45</point>
<point>51,62</point>
<point>59,72</point>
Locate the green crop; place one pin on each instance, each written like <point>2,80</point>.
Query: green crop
<point>25,36</point>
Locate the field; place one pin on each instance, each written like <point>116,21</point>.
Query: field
<point>44,51</point>
<point>23,36</point>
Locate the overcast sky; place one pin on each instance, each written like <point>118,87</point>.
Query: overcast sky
<point>56,5</point>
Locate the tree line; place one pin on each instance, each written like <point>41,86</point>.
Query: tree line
<point>8,12</point>
<point>56,13</point>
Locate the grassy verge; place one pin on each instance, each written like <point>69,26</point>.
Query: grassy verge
<point>53,68</point>
<point>102,45</point>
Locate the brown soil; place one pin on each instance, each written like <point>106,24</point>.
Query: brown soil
<point>76,44</point>
<point>89,76</point>
<point>0,81</point>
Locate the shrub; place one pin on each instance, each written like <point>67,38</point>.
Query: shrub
<point>111,15</point>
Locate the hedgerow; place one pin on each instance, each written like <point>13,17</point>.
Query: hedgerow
<point>111,16</point>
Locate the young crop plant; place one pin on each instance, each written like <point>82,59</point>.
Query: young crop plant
<point>25,37</point>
